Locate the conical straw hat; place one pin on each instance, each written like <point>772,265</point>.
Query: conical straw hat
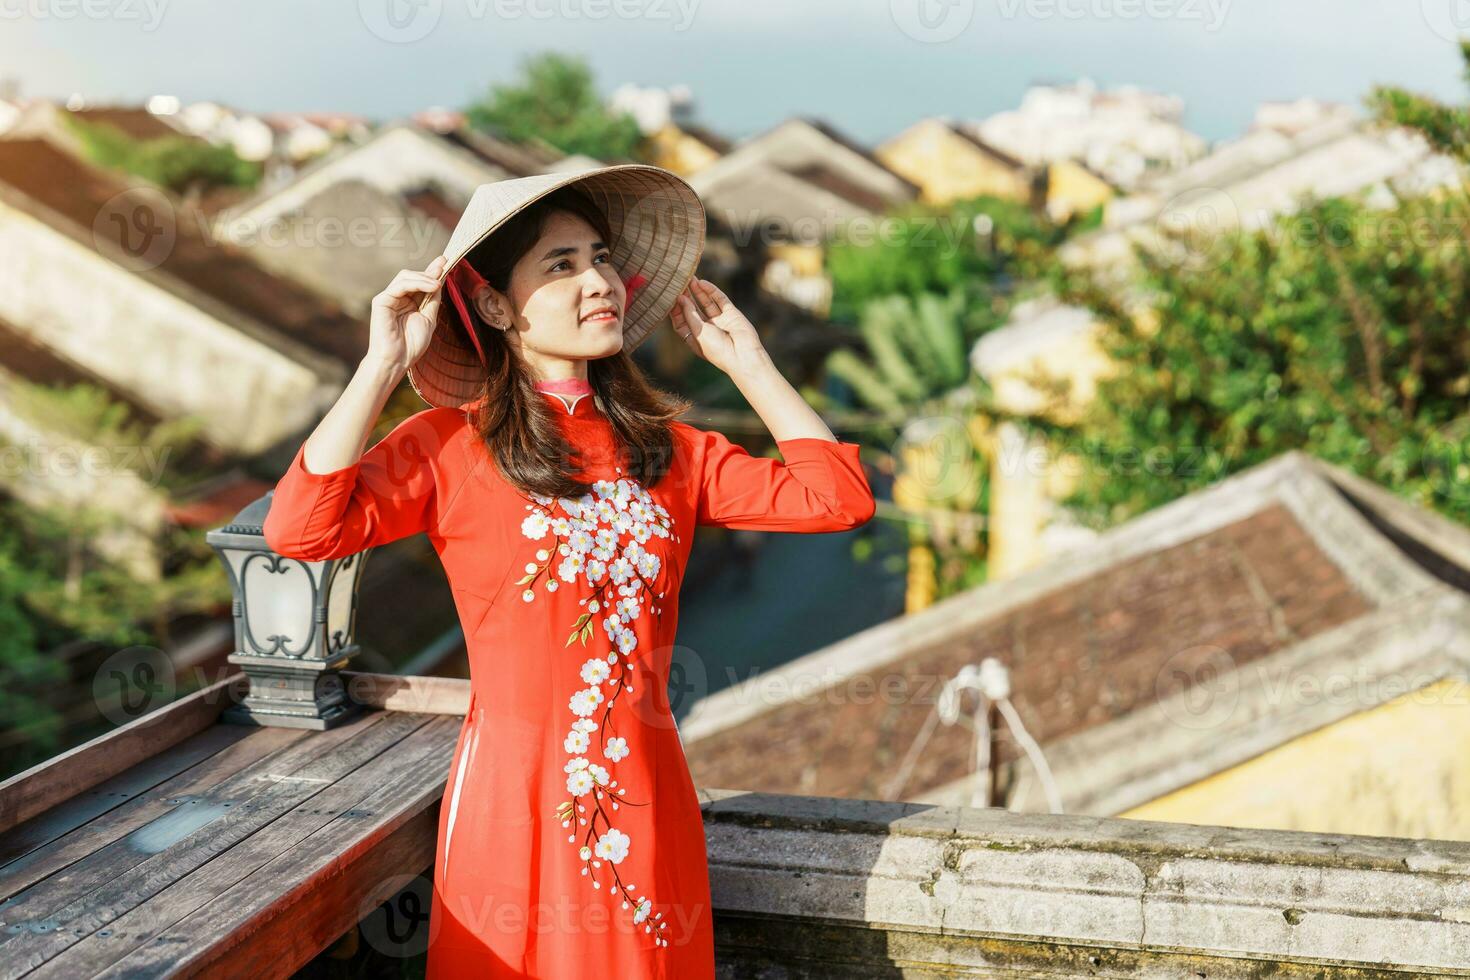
<point>657,224</point>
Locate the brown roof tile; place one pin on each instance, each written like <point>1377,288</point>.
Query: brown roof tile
<point>1078,657</point>
<point>76,197</point>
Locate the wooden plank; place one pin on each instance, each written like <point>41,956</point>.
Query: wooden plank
<point>61,777</point>
<point>69,905</point>
<point>421,695</point>
<point>84,807</point>
<point>279,943</point>
<point>78,843</point>
<point>353,813</point>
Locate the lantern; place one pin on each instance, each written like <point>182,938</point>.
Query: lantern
<point>294,627</point>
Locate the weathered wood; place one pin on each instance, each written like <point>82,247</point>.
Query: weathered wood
<point>422,695</point>
<point>128,816</point>
<point>85,897</point>
<point>250,885</point>
<point>58,779</point>
<point>279,944</point>
<point>87,806</point>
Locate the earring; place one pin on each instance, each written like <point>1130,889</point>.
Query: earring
<point>497,319</point>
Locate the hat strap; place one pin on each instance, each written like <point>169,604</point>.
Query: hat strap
<point>632,284</point>
<point>465,278</point>
<point>471,284</point>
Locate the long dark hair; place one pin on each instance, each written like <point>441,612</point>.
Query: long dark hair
<point>514,421</point>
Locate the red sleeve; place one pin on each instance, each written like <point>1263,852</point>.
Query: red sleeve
<point>820,486</point>
<point>389,493</point>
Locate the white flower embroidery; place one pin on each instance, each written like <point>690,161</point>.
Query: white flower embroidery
<point>599,547</point>
<point>585,701</point>
<point>535,526</point>
<point>613,846</point>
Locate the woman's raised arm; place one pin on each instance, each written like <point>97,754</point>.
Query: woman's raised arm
<point>335,499</point>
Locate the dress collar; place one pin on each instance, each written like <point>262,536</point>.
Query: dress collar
<point>570,395</point>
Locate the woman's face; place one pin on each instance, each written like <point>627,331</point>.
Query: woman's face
<point>566,300</point>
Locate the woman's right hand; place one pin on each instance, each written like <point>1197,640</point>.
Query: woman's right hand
<point>398,334</point>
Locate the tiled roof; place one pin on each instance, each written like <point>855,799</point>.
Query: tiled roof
<point>30,360</point>
<point>1261,566</point>
<point>73,196</point>
<point>138,123</point>
<point>430,202</point>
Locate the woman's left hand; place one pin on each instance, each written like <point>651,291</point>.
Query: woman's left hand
<point>717,331</point>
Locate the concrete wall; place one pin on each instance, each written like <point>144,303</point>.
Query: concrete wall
<point>806,886</point>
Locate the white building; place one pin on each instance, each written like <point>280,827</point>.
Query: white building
<point>1125,134</point>
<point>654,108</point>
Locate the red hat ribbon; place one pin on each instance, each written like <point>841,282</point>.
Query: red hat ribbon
<point>464,280</point>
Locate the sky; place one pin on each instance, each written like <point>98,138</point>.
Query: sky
<point>870,67</point>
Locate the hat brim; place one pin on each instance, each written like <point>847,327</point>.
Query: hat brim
<point>658,230</point>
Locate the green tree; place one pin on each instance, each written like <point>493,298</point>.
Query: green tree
<point>179,163</point>
<point>556,101</point>
<point>1339,331</point>
<point>976,245</point>
<point>1447,128</point>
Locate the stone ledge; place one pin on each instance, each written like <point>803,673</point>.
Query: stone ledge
<point>803,883</point>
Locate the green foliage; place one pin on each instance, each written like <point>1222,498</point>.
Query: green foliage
<point>923,248</point>
<point>556,101</point>
<point>92,415</point>
<point>1339,331</point>
<point>175,162</point>
<point>1447,128</point>
<point>56,589</point>
<point>916,350</point>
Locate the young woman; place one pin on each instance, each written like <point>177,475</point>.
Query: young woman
<point>562,499</point>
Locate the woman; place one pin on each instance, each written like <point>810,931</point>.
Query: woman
<point>562,497</point>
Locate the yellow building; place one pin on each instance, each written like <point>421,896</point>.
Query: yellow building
<point>1046,361</point>
<point>1072,189</point>
<point>686,150</point>
<point>949,164</point>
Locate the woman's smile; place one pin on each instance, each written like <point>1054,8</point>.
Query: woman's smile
<point>605,314</point>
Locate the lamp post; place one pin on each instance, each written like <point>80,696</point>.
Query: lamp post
<point>294,627</point>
